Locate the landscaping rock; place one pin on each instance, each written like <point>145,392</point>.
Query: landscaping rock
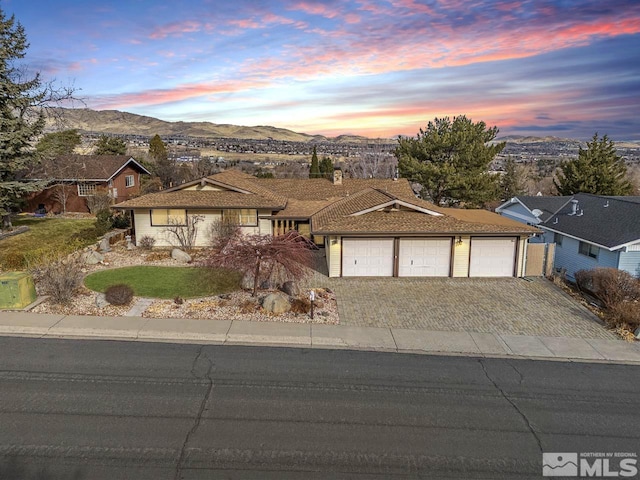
<point>101,301</point>
<point>247,282</point>
<point>104,245</point>
<point>276,303</point>
<point>92,257</point>
<point>180,256</point>
<point>290,288</point>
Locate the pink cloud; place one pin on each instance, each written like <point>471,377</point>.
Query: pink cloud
<point>176,29</point>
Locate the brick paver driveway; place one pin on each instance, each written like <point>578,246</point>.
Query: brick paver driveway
<point>509,306</point>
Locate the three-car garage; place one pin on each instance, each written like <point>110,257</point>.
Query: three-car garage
<point>427,256</point>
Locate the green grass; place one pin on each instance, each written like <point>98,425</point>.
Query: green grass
<point>47,239</point>
<point>166,282</point>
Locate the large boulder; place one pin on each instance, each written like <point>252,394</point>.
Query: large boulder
<point>180,256</point>
<point>276,303</point>
<point>290,288</point>
<point>92,257</point>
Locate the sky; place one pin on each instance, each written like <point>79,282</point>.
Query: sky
<point>379,68</point>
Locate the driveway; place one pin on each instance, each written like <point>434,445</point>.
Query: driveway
<point>510,306</point>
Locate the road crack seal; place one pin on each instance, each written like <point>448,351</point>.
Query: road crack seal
<point>203,405</point>
<point>512,403</point>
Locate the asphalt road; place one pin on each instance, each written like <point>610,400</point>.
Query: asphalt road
<point>116,410</point>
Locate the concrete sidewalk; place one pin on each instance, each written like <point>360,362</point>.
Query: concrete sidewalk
<point>317,336</point>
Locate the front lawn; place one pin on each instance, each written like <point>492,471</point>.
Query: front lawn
<point>167,282</point>
<point>47,239</point>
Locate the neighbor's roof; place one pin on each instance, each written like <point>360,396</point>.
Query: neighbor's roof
<point>547,205</point>
<point>610,222</point>
<point>99,168</point>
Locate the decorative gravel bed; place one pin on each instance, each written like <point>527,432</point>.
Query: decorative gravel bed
<point>237,305</point>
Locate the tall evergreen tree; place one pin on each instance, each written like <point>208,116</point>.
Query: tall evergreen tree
<point>20,123</point>
<point>314,171</point>
<point>57,144</point>
<point>110,146</point>
<point>164,168</point>
<point>512,181</point>
<point>450,159</point>
<point>598,170</point>
<point>326,168</point>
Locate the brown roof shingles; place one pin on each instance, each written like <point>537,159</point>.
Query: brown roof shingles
<point>203,199</point>
<point>80,167</point>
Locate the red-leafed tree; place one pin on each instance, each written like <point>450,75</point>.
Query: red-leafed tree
<point>287,256</point>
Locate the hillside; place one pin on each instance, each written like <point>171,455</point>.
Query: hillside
<point>123,123</point>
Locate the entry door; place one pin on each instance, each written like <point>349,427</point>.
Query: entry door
<point>424,257</point>
<point>492,257</point>
<point>367,257</point>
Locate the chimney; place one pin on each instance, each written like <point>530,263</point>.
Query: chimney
<point>574,207</point>
<point>337,176</point>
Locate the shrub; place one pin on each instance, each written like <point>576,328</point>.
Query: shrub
<point>121,220</point>
<point>60,279</point>
<point>300,305</point>
<point>104,222</point>
<point>624,313</point>
<point>100,201</point>
<point>610,285</point>
<point>248,306</point>
<point>120,294</point>
<point>146,242</point>
<point>154,256</point>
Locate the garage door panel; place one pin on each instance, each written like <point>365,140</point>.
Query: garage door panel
<point>367,257</point>
<point>492,257</point>
<point>424,257</point>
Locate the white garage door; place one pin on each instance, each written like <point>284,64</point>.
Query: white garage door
<point>367,257</point>
<point>424,257</point>
<point>492,257</point>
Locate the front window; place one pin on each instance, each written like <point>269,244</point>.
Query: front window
<point>163,217</point>
<point>557,238</point>
<point>246,217</point>
<point>129,181</point>
<point>86,189</point>
<point>588,250</point>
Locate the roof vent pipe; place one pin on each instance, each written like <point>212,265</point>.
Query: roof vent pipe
<point>574,207</point>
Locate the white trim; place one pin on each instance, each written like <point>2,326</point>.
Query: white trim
<point>532,218</point>
<point>124,165</point>
<point>611,249</point>
<point>209,181</point>
<point>397,202</point>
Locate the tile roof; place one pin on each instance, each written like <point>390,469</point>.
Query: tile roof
<point>82,167</point>
<point>202,199</point>
<point>323,189</point>
<point>606,221</point>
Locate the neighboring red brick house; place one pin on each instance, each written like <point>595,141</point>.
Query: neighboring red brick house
<point>81,176</point>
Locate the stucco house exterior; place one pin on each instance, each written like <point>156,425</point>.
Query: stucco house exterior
<point>81,176</point>
<point>368,227</point>
<point>589,230</point>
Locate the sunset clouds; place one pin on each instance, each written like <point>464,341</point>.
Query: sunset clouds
<point>371,67</point>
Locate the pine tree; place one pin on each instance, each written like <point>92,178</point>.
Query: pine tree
<point>110,146</point>
<point>20,123</point>
<point>326,168</point>
<point>598,170</point>
<point>450,159</point>
<point>314,171</point>
<point>512,182</point>
<point>57,144</point>
<point>164,168</point>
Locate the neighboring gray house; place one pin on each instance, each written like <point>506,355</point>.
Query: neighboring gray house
<point>532,210</point>
<point>589,230</point>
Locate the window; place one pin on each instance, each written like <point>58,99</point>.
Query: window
<point>557,238</point>
<point>86,189</point>
<point>129,181</point>
<point>588,250</point>
<point>162,217</point>
<point>247,217</point>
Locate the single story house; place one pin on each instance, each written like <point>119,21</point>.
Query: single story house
<point>589,230</point>
<point>73,178</point>
<point>369,227</point>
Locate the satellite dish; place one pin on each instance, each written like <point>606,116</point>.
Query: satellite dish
<point>536,212</point>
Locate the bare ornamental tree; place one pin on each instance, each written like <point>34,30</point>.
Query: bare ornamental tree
<point>183,234</point>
